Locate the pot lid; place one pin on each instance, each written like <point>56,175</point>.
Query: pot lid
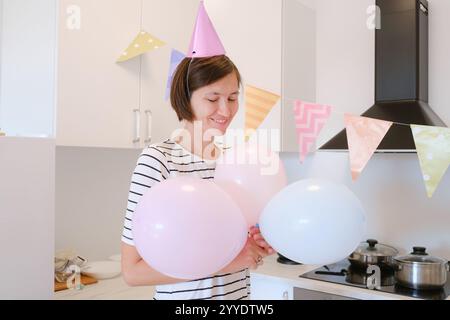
<point>371,247</point>
<point>419,255</point>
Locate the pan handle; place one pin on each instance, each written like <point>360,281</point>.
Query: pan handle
<point>331,273</point>
<point>397,267</point>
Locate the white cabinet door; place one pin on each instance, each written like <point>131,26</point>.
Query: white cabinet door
<point>96,95</point>
<point>299,64</point>
<point>250,31</point>
<point>27,67</point>
<point>27,217</point>
<point>171,21</point>
<point>269,288</point>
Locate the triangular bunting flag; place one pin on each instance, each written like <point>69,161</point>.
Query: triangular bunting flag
<point>258,104</point>
<point>175,58</point>
<point>364,135</point>
<point>143,42</point>
<point>433,150</point>
<point>204,42</point>
<point>309,121</point>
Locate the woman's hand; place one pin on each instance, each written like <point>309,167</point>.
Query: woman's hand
<point>256,235</point>
<point>253,253</point>
<point>251,256</point>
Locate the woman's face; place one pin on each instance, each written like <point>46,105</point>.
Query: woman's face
<point>215,105</point>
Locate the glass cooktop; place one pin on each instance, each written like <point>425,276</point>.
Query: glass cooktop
<point>345,274</point>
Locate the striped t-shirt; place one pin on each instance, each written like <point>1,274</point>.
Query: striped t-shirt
<point>162,161</point>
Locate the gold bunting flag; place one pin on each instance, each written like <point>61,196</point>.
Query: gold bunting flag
<point>433,150</point>
<point>258,104</point>
<point>143,43</point>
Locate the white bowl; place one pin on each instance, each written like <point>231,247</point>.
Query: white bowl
<point>116,257</point>
<point>101,270</point>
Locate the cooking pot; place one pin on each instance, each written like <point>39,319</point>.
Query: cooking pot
<point>371,252</point>
<point>358,276</point>
<point>419,270</point>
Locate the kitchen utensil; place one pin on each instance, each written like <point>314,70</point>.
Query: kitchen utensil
<point>419,270</point>
<point>371,252</point>
<point>84,280</point>
<point>102,269</point>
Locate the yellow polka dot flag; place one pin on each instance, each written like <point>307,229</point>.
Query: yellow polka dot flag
<point>143,43</point>
<point>433,150</point>
<point>258,104</point>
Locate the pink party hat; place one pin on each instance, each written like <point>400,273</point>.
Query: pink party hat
<point>204,42</point>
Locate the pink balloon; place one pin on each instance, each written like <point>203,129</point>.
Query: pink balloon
<point>251,175</point>
<point>188,228</point>
<point>246,202</point>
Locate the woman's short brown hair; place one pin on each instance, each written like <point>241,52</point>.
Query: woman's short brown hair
<point>202,72</point>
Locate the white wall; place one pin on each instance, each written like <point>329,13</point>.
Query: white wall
<point>439,72</point>
<point>392,191</point>
<point>391,187</point>
<point>1,45</point>
<point>346,59</point>
<point>27,85</point>
<point>91,197</point>
<point>27,216</point>
<point>92,188</point>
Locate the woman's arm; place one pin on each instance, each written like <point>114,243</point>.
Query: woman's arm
<point>136,272</point>
<point>151,168</point>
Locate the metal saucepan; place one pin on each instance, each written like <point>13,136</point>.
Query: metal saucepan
<point>371,252</point>
<point>358,276</point>
<point>419,270</point>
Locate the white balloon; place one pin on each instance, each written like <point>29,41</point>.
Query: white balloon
<point>314,221</point>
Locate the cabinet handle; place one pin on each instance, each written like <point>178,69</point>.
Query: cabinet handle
<point>149,116</point>
<point>137,126</point>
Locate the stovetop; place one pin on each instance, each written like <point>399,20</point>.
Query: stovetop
<point>343,273</point>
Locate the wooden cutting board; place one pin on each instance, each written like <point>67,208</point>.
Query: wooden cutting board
<point>85,280</point>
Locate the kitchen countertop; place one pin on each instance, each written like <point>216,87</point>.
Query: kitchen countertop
<point>290,274</point>
<point>110,289</point>
<point>116,288</point>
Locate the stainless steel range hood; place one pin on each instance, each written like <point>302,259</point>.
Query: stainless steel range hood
<point>401,75</point>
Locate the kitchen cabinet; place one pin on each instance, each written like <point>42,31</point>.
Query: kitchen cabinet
<point>172,21</point>
<point>272,43</point>
<point>298,64</point>
<point>305,294</point>
<point>251,34</point>
<point>27,67</point>
<point>27,217</point>
<point>80,95</point>
<point>98,99</point>
<point>106,104</point>
<point>269,288</point>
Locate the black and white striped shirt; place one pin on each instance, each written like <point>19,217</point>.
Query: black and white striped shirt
<point>162,161</point>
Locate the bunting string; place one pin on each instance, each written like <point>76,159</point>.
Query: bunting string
<point>334,111</point>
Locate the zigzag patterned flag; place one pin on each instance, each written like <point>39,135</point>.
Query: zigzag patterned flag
<point>309,121</point>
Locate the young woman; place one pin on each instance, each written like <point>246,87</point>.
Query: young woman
<point>204,94</point>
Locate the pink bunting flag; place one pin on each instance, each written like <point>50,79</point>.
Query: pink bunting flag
<point>309,121</point>
<point>204,42</point>
<point>364,135</point>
